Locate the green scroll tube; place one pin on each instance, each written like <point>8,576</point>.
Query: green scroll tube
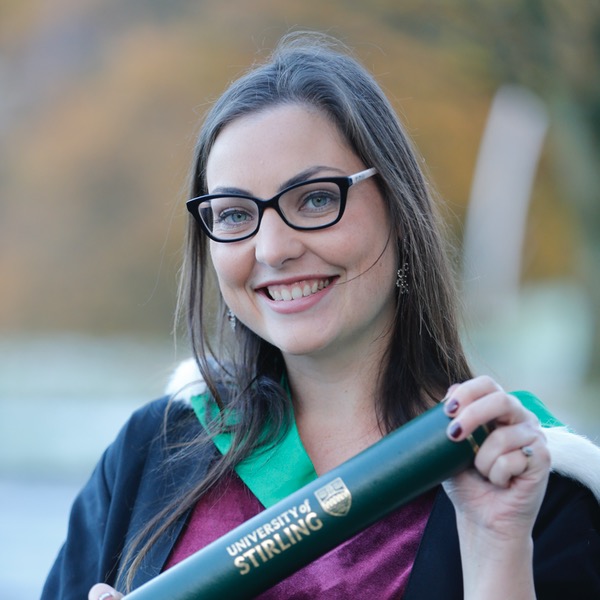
<point>319,516</point>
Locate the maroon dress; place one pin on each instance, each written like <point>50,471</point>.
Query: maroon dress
<point>377,562</point>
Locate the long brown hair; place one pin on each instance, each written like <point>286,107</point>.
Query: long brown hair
<point>425,354</point>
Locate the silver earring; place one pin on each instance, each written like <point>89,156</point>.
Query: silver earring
<point>402,278</point>
<point>232,319</point>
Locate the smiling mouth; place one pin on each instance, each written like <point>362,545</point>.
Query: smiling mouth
<point>295,291</point>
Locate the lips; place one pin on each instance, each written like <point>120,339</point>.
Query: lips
<point>296,290</point>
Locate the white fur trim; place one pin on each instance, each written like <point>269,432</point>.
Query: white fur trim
<point>574,456</point>
<point>186,381</point>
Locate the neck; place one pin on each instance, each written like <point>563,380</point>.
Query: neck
<point>335,405</point>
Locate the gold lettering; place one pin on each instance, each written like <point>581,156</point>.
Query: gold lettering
<point>250,554</point>
<point>242,565</point>
<point>268,528</point>
<point>289,535</point>
<point>280,542</point>
<point>299,528</point>
<point>269,546</point>
<point>261,553</point>
<point>313,521</point>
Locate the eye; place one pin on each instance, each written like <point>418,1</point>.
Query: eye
<point>232,217</point>
<point>320,200</point>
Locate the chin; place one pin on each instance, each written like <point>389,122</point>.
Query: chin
<point>300,347</point>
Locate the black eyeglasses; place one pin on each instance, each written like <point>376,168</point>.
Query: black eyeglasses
<point>313,204</point>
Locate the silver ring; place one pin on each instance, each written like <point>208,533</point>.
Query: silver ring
<point>527,451</point>
<point>105,596</point>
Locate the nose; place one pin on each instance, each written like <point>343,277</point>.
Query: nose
<point>275,242</point>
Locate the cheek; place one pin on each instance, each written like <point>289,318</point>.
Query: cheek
<point>232,268</point>
<point>370,244</point>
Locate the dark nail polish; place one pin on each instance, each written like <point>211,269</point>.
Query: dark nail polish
<point>455,430</point>
<point>451,406</point>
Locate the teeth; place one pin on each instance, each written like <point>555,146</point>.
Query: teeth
<point>298,290</point>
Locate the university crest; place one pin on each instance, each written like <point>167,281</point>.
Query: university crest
<point>335,498</point>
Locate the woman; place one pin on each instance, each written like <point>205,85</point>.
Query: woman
<point>309,204</point>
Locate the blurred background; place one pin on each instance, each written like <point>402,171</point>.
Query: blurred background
<point>99,105</point>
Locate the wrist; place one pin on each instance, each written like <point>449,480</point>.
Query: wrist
<point>498,534</point>
<point>496,566</point>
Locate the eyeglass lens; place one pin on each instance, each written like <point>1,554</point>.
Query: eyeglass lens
<point>308,206</point>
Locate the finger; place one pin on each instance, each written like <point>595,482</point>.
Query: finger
<point>462,395</point>
<point>507,466</point>
<point>508,439</point>
<point>451,404</point>
<point>450,391</point>
<point>528,460</point>
<point>496,408</point>
<point>102,591</point>
<point>471,390</point>
<point>513,451</point>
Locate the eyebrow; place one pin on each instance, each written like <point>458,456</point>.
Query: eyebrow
<point>301,177</point>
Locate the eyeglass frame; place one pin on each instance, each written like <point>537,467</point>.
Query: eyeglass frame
<point>344,184</point>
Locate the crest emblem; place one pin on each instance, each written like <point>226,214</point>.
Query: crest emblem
<point>335,498</point>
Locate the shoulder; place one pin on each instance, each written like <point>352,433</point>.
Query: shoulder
<point>142,445</point>
<point>128,485</point>
<point>186,381</point>
<point>146,427</point>
<point>167,413</point>
<point>141,439</point>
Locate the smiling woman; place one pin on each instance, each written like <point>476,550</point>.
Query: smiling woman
<point>355,310</point>
<point>309,205</point>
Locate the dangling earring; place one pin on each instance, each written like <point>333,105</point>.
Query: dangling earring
<point>232,319</point>
<point>402,278</point>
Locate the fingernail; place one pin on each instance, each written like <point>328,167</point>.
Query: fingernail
<point>455,430</point>
<point>451,406</point>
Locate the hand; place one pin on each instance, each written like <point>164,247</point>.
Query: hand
<point>505,490</point>
<point>102,591</point>
<point>497,501</point>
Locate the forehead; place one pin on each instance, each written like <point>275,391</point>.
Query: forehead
<point>277,142</point>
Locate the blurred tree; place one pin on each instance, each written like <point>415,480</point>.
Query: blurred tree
<point>100,102</point>
<point>552,48</point>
